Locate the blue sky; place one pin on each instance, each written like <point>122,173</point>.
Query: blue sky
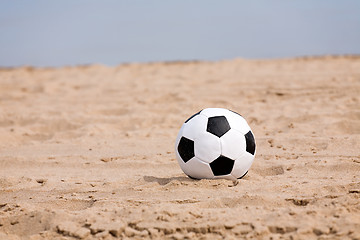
<point>68,32</point>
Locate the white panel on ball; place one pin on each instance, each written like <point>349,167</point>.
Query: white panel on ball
<point>238,122</point>
<point>211,112</point>
<point>178,137</point>
<point>197,169</point>
<point>207,147</point>
<point>242,164</point>
<point>233,144</point>
<point>195,126</point>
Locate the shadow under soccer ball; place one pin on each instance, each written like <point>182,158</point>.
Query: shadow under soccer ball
<point>164,181</point>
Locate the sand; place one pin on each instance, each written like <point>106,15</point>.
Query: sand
<point>87,152</point>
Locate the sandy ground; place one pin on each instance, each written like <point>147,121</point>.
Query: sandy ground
<point>88,152</point>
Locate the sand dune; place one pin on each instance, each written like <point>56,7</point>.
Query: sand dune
<point>88,152</point>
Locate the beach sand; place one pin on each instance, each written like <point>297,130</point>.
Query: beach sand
<point>87,152</point>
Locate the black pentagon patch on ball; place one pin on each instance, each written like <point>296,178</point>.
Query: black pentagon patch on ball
<point>250,143</point>
<point>222,166</point>
<point>218,125</point>
<point>192,116</point>
<point>186,149</point>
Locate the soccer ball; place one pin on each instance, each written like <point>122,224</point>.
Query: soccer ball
<point>215,143</point>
